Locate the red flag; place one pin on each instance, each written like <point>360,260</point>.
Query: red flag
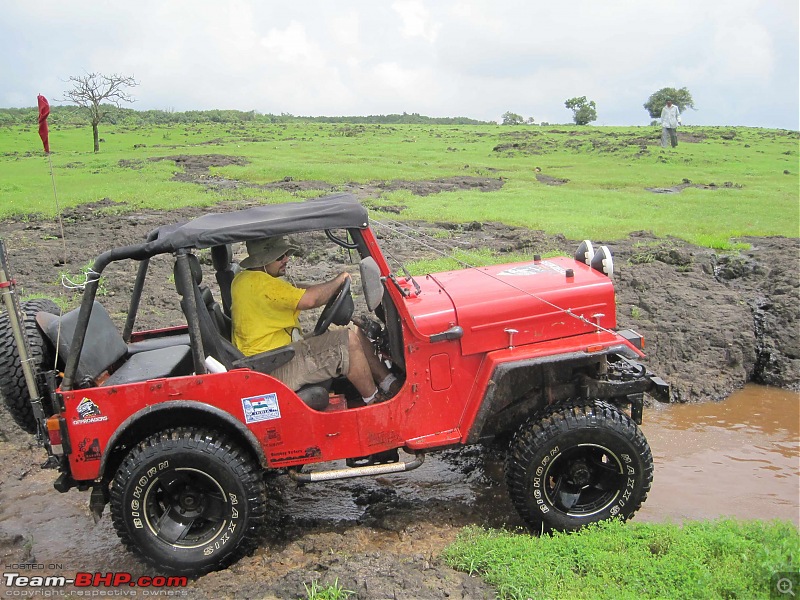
<point>44,111</point>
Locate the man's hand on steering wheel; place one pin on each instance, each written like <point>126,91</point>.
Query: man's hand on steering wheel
<point>338,309</point>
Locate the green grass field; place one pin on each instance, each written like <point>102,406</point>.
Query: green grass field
<point>698,560</point>
<point>605,198</point>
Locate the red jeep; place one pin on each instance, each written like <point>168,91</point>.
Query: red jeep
<point>525,354</point>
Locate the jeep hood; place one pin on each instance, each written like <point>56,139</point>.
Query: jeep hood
<point>537,299</point>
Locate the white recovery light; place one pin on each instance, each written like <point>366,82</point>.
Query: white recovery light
<point>603,261</point>
<point>585,252</point>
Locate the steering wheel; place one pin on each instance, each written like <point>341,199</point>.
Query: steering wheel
<point>338,310</point>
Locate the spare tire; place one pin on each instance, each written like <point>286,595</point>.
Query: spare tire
<point>13,387</point>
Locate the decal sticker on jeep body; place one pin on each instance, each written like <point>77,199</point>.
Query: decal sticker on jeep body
<point>544,266</point>
<point>289,455</point>
<point>89,449</point>
<point>261,408</point>
<point>88,412</point>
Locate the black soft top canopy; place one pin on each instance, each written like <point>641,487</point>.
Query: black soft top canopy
<point>337,211</point>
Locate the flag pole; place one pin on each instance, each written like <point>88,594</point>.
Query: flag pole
<point>44,112</point>
<point>58,210</point>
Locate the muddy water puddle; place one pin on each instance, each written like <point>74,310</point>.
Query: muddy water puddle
<point>739,457</point>
<point>735,458</point>
<point>457,487</point>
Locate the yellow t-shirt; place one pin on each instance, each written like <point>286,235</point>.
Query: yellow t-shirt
<point>263,310</point>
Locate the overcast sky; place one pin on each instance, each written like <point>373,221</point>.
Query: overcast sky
<point>473,58</point>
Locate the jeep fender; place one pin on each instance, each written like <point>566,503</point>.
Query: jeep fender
<point>513,373</point>
<point>174,413</point>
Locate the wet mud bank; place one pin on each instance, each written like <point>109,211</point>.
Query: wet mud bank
<point>713,322</point>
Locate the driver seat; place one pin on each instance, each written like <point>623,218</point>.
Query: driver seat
<point>225,270</point>
<point>216,345</point>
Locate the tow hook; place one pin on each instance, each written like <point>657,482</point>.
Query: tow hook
<point>660,390</point>
<point>52,462</point>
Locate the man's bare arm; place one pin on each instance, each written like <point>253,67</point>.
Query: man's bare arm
<point>319,294</point>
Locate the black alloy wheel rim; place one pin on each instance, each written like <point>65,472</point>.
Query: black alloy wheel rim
<point>583,480</point>
<point>185,507</point>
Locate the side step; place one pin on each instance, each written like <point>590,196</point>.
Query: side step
<point>372,470</point>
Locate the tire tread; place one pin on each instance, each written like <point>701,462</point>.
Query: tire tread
<point>13,387</point>
<point>558,419</point>
<point>207,441</point>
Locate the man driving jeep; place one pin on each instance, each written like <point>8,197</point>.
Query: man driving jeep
<point>265,311</point>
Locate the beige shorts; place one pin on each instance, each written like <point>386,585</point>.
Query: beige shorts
<point>317,359</point>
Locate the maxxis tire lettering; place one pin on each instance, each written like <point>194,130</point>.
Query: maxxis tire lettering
<point>189,501</point>
<point>577,463</point>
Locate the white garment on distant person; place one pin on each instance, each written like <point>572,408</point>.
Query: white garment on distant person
<point>670,117</point>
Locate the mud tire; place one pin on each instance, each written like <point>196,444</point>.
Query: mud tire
<point>189,501</point>
<point>578,463</point>
<point>13,387</point>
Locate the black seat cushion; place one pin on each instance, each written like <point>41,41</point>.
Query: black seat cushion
<point>104,348</point>
<point>154,364</point>
<point>156,343</point>
<point>103,345</point>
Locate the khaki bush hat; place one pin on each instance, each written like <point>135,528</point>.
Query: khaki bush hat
<point>264,251</point>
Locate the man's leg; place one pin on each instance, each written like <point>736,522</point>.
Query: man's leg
<point>379,370</point>
<point>673,137</point>
<point>664,137</point>
<point>341,351</point>
<point>360,371</point>
<point>361,348</point>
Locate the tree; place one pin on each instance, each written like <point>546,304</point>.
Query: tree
<point>681,98</point>
<point>583,111</point>
<point>89,92</point>
<point>510,118</point>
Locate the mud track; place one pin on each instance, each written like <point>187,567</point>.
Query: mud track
<point>712,321</point>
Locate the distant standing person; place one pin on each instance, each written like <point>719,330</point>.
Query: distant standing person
<point>670,119</point>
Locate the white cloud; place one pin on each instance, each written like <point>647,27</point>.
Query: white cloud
<point>394,77</point>
<point>293,46</point>
<point>345,29</point>
<point>476,15</point>
<point>756,62</point>
<point>416,20</point>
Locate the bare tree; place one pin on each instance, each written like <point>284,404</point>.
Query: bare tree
<point>91,90</point>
